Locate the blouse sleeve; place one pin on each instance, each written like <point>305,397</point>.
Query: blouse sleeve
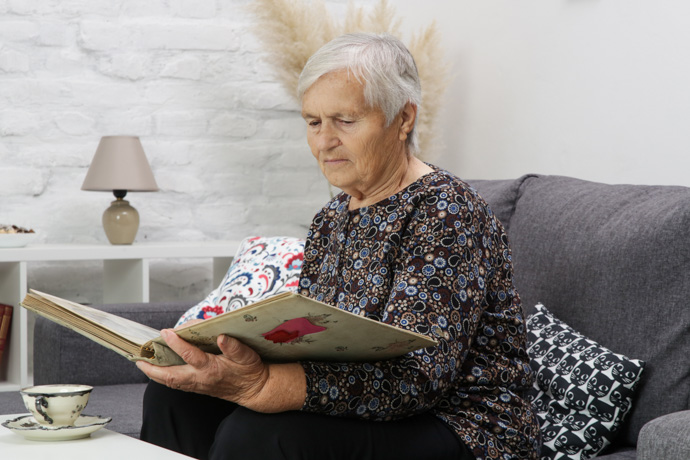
<point>438,286</point>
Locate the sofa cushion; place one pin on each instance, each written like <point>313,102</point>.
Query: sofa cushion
<point>612,261</point>
<point>501,195</point>
<point>262,267</point>
<point>624,453</point>
<point>582,390</point>
<point>122,403</point>
<point>666,437</point>
<point>11,403</point>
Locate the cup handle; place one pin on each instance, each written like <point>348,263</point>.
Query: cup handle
<point>42,402</point>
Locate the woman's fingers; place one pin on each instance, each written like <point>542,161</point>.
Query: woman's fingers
<point>188,352</point>
<point>238,374</point>
<point>237,352</point>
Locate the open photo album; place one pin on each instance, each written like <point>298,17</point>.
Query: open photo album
<point>283,328</point>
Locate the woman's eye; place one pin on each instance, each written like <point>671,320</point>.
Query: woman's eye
<point>314,123</point>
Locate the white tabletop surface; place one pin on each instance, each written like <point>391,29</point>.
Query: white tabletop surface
<point>101,445</point>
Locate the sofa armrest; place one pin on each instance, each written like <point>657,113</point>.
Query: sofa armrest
<point>666,437</point>
<point>63,356</point>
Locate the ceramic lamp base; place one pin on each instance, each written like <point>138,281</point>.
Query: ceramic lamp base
<point>120,222</point>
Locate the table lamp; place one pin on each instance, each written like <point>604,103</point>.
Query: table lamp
<point>120,166</point>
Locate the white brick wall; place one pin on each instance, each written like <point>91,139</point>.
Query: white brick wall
<point>225,141</point>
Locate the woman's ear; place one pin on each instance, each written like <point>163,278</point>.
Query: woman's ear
<point>408,115</point>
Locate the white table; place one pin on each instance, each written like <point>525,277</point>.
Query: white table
<point>102,445</point>
<point>125,280</point>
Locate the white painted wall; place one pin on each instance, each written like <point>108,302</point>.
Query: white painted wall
<point>225,141</point>
<point>596,89</point>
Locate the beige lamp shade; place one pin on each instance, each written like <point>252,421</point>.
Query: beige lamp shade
<point>120,166</point>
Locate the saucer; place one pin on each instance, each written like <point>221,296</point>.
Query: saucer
<point>27,426</point>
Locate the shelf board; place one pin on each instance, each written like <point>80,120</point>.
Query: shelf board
<point>57,252</point>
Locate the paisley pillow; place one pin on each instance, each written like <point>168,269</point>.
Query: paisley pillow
<point>261,268</point>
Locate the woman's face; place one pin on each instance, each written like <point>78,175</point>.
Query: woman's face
<point>355,150</point>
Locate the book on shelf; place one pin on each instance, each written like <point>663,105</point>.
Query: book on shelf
<point>282,328</point>
<point>5,322</point>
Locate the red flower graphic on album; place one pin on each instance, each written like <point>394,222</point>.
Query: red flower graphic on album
<point>281,336</point>
<point>291,330</point>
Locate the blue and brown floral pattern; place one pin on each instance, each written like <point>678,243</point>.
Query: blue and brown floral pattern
<point>431,259</point>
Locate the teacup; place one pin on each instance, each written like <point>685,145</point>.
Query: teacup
<point>56,405</point>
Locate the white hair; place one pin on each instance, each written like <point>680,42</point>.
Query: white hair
<point>381,62</point>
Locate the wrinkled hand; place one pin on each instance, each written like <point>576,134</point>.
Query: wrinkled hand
<point>238,374</point>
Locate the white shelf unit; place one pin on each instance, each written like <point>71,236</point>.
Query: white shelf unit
<point>125,280</point>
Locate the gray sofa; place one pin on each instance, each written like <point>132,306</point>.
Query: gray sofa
<point>612,261</point>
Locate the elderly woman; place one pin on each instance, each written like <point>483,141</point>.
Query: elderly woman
<point>406,244</point>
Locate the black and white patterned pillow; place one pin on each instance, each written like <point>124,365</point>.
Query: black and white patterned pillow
<point>582,391</point>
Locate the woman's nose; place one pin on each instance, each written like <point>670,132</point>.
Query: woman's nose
<point>327,138</point>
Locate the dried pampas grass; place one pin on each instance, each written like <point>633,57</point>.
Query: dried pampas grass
<point>292,30</point>
<point>433,74</point>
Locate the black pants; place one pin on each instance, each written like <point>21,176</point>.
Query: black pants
<point>209,428</point>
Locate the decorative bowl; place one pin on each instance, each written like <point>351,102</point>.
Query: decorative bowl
<point>16,240</point>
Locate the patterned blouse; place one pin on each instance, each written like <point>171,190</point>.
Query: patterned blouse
<point>432,259</point>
